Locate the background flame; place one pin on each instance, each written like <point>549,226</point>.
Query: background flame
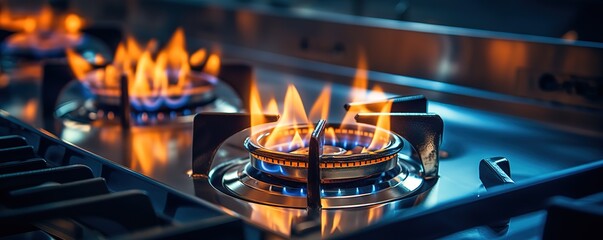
<point>255,108</point>
<point>359,91</point>
<point>79,66</point>
<point>168,75</point>
<point>42,21</point>
<point>380,137</point>
<point>198,57</point>
<point>73,23</point>
<point>320,109</point>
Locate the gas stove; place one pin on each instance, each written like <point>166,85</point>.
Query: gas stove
<point>449,157</point>
<point>340,171</point>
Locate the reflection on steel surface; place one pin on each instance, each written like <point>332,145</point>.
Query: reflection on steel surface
<point>151,150</point>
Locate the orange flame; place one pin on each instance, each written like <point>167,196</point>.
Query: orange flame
<point>213,65</point>
<point>360,84</point>
<point>44,20</point>
<point>198,57</point>
<point>320,109</point>
<point>79,65</point>
<point>380,136</point>
<point>255,108</point>
<point>144,70</point>
<point>297,142</point>
<point>359,91</point>
<point>294,113</point>
<point>5,16</point>
<point>133,49</point>
<point>168,75</point>
<point>73,23</point>
<point>272,107</point>
<point>375,94</point>
<point>330,136</point>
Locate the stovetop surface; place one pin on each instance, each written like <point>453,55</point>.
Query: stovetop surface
<point>163,152</point>
<point>533,148</point>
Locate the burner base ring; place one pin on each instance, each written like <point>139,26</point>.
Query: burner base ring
<point>239,180</point>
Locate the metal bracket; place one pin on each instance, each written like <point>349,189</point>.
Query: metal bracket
<point>422,130</point>
<point>495,171</point>
<point>56,75</point>
<point>314,157</point>
<point>409,104</point>
<point>124,98</point>
<point>240,78</point>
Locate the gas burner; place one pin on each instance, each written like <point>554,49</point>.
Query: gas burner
<point>352,173</point>
<point>348,179</point>
<point>148,87</point>
<point>197,92</point>
<point>83,105</point>
<point>348,153</point>
<point>358,164</point>
<point>204,92</point>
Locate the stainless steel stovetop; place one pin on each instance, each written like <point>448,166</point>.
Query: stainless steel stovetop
<point>472,131</point>
<point>534,150</point>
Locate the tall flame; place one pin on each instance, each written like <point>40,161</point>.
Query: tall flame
<point>320,109</point>
<point>359,91</point>
<point>142,79</point>
<point>330,136</point>
<point>255,108</point>
<point>29,25</point>
<point>78,64</point>
<point>294,115</point>
<point>383,123</point>
<point>360,84</point>
<point>294,112</point>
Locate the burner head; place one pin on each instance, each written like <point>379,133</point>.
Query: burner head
<point>176,96</point>
<point>349,151</point>
<point>148,84</point>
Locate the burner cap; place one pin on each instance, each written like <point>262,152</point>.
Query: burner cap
<point>348,153</point>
